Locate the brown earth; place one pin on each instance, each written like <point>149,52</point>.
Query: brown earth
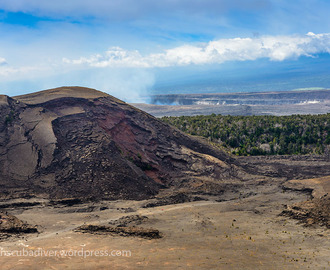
<point>225,231</point>
<point>241,233</point>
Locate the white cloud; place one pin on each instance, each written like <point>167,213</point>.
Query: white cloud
<point>275,48</point>
<point>3,61</point>
<point>10,72</point>
<point>114,57</point>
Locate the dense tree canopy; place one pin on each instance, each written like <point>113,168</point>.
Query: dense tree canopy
<point>260,135</point>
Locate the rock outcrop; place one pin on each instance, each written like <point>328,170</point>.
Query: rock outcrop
<point>10,224</point>
<point>311,212</point>
<point>74,142</point>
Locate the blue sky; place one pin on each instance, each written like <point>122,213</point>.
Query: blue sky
<point>132,48</point>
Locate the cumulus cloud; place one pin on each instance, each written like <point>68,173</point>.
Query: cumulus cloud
<point>275,48</point>
<point>129,74</point>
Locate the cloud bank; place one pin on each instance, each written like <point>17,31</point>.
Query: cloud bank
<point>275,48</point>
<point>130,74</point>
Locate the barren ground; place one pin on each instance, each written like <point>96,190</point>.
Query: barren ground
<point>243,233</point>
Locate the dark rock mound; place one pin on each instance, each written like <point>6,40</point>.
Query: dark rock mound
<point>147,233</point>
<point>66,202</point>
<point>132,220</point>
<point>315,211</point>
<point>173,199</point>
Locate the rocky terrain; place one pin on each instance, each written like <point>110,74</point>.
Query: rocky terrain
<point>237,232</point>
<point>90,173</point>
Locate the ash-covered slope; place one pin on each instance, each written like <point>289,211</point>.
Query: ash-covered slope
<point>79,142</point>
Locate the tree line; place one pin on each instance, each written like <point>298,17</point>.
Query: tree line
<point>260,135</point>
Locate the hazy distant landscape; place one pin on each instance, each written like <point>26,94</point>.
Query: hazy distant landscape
<point>256,103</point>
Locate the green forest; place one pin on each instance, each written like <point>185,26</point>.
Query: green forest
<point>260,135</point>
